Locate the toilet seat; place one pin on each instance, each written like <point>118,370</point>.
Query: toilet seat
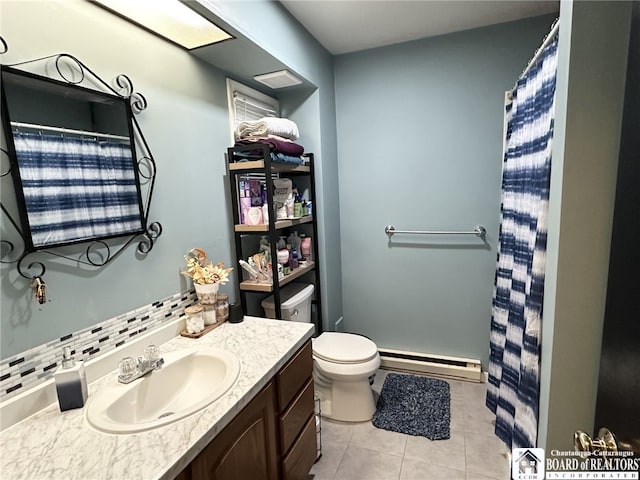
<point>344,348</point>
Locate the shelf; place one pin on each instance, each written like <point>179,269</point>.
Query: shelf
<point>279,224</point>
<point>261,168</point>
<point>276,167</point>
<point>268,287</point>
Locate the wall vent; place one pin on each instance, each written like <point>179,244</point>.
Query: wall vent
<point>279,79</point>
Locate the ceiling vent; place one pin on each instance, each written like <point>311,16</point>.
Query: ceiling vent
<point>279,79</point>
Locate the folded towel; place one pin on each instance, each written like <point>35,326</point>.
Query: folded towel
<point>276,144</point>
<point>282,158</point>
<point>282,127</point>
<point>250,129</point>
<point>275,157</point>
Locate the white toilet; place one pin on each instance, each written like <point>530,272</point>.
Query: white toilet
<point>343,363</point>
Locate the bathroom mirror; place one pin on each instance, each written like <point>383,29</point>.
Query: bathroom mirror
<point>73,161</point>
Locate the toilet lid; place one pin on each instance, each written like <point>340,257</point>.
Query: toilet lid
<point>344,348</point>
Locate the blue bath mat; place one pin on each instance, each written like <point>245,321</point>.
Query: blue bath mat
<point>414,405</point>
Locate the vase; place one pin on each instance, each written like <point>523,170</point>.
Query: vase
<point>207,293</point>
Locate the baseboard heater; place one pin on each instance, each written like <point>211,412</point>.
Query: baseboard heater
<point>437,365</point>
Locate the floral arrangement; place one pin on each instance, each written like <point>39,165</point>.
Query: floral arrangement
<point>203,271</point>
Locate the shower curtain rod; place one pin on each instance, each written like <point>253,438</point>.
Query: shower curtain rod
<point>547,40</point>
<point>67,130</point>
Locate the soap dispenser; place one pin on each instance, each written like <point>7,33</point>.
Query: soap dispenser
<point>71,382</point>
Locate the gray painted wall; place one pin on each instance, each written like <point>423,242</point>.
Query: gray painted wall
<point>187,128</point>
<point>272,28</point>
<point>420,145</point>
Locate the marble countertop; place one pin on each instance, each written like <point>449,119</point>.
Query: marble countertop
<point>62,445</point>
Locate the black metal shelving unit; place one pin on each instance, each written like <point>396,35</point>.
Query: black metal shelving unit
<point>264,168</point>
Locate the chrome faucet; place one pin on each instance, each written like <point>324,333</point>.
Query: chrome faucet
<point>133,368</point>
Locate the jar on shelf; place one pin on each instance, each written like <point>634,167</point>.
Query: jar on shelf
<point>194,321</point>
<point>222,307</point>
<point>209,314</point>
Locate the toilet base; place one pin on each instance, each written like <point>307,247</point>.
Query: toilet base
<point>345,401</point>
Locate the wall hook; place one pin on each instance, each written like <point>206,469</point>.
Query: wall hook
<point>39,290</point>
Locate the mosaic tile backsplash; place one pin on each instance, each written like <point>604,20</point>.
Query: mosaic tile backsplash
<point>32,367</point>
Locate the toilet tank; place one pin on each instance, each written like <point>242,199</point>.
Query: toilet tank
<point>295,301</point>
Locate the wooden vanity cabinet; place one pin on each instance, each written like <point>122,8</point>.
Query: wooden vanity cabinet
<point>297,426</point>
<point>246,448</point>
<point>273,437</point>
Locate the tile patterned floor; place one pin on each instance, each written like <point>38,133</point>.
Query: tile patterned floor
<point>363,452</point>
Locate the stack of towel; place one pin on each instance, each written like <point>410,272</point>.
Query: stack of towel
<point>278,133</point>
<point>282,127</point>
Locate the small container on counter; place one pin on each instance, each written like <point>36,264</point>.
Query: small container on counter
<point>236,314</point>
<point>222,308</point>
<point>195,320</point>
<point>209,314</point>
<point>71,382</point>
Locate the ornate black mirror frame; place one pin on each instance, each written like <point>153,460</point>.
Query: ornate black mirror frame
<point>99,251</point>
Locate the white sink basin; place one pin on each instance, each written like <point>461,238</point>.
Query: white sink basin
<point>190,380</point>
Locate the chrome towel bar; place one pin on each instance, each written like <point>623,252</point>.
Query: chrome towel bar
<point>479,231</point>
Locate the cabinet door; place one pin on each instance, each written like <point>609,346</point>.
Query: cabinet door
<point>295,417</point>
<point>298,462</point>
<point>294,375</point>
<point>246,448</point>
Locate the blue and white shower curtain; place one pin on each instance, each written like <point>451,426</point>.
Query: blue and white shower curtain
<point>514,362</point>
<point>77,188</point>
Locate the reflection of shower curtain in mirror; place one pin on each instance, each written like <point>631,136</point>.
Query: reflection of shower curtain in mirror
<point>77,188</point>
<point>514,360</point>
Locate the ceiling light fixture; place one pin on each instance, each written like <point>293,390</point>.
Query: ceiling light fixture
<point>171,19</point>
<point>279,79</point>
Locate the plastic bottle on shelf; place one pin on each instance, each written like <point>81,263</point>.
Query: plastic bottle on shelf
<point>265,204</point>
<point>245,205</point>
<point>263,192</point>
<point>293,259</point>
<point>305,248</point>
<point>288,203</point>
<point>282,243</point>
<point>280,271</point>
<point>265,248</point>
<point>283,257</point>
<point>290,250</point>
<point>297,206</point>
<point>302,260</point>
<point>294,240</point>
